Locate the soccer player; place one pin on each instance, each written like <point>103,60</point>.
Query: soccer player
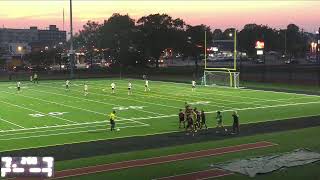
<point>197,117</point>
<point>235,126</point>
<point>203,120</point>
<point>181,119</point>
<point>146,86</point>
<point>193,85</point>
<point>112,117</point>
<point>129,88</point>
<point>86,89</point>
<point>113,87</point>
<point>18,86</point>
<point>219,122</point>
<point>35,78</point>
<point>67,84</point>
<point>195,121</point>
<point>189,124</point>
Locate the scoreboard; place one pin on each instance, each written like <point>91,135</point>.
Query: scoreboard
<point>27,167</point>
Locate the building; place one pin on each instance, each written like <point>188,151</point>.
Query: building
<point>17,42</point>
<point>52,36</point>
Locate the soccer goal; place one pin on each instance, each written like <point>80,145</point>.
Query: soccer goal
<point>221,78</point>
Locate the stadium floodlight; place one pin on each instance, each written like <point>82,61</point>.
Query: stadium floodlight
<point>230,34</point>
<point>19,48</point>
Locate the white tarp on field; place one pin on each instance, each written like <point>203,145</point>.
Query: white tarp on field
<point>266,164</point>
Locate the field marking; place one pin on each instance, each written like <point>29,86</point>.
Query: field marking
<point>61,129</point>
<point>232,102</point>
<point>52,102</point>
<point>22,107</point>
<point>156,96</point>
<point>57,126</point>
<point>233,92</point>
<point>174,115</point>
<point>222,173</point>
<point>72,132</point>
<point>122,98</point>
<point>142,135</point>
<point>150,112</point>
<point>1,119</point>
<point>246,89</point>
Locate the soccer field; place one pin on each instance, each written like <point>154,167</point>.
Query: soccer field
<point>45,114</point>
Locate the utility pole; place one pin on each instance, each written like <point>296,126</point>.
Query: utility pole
<point>285,42</point>
<point>318,46</point>
<point>71,45</point>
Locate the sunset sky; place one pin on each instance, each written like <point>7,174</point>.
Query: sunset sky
<point>217,14</point>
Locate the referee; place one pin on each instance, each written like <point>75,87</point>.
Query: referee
<point>112,117</point>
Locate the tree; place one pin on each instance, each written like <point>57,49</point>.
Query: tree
<point>196,42</point>
<point>160,31</point>
<point>118,34</point>
<point>217,34</point>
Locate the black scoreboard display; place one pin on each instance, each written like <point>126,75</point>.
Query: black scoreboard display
<point>27,167</point>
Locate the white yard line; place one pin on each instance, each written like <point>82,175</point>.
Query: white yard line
<point>57,126</point>
<point>61,104</point>
<point>90,99</point>
<point>117,97</point>
<point>172,115</point>
<point>298,94</point>
<point>72,132</point>
<point>62,129</point>
<point>1,119</point>
<point>22,107</point>
<point>232,94</point>
<point>214,104</point>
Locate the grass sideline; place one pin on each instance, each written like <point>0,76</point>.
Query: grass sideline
<point>303,138</point>
<point>47,115</point>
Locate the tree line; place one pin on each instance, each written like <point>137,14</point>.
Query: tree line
<point>137,42</point>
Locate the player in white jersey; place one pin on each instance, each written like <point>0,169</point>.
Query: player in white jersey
<point>146,86</point>
<point>129,88</point>
<point>18,86</point>
<point>86,89</point>
<point>193,85</point>
<point>67,84</point>
<point>113,87</point>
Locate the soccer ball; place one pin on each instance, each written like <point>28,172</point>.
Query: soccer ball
<point>118,129</point>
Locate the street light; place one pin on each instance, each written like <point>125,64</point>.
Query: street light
<point>230,34</point>
<point>20,51</point>
<point>19,48</point>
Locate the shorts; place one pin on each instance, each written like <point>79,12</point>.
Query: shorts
<point>67,86</point>
<point>18,88</point>
<point>145,85</point>
<point>219,123</point>
<point>112,88</point>
<point>181,119</point>
<point>112,123</point>
<point>129,89</point>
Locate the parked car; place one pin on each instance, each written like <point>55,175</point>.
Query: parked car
<point>292,61</point>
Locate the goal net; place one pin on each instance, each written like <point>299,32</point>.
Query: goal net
<point>221,78</point>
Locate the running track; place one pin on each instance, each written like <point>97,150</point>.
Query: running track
<point>160,160</point>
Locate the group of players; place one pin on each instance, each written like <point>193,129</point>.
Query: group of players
<point>196,120</point>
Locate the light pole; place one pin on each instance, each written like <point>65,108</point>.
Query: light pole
<point>234,48</point>
<point>318,46</point>
<point>71,44</point>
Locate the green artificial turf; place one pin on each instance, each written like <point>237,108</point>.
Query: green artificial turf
<point>32,117</point>
<point>287,141</point>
